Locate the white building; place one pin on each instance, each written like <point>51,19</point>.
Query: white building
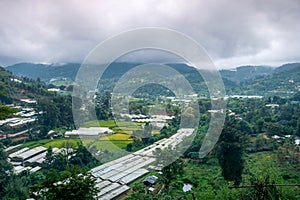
<point>89,132</point>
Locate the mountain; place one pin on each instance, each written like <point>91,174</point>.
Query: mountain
<point>283,81</point>
<point>45,71</point>
<point>245,73</point>
<point>286,67</point>
<point>262,80</point>
<point>64,74</point>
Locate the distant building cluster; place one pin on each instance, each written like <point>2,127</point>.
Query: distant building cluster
<point>157,121</point>
<point>281,138</point>
<point>25,115</point>
<point>243,97</point>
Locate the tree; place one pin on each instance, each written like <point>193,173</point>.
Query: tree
<point>74,183</point>
<point>298,129</point>
<point>49,119</point>
<point>188,117</point>
<point>264,188</point>
<point>230,151</point>
<point>5,171</point>
<point>15,190</point>
<point>273,129</point>
<point>171,171</point>
<point>60,162</point>
<point>129,147</point>
<point>11,187</point>
<point>83,157</point>
<point>6,111</point>
<point>260,124</point>
<point>172,167</point>
<point>48,158</point>
<point>103,111</point>
<point>297,96</point>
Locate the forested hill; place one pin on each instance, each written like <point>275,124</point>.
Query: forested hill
<point>45,71</point>
<point>283,81</point>
<point>246,73</point>
<point>66,73</point>
<point>286,67</point>
<point>14,88</point>
<point>262,80</point>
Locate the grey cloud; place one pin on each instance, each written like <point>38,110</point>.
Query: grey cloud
<point>233,32</point>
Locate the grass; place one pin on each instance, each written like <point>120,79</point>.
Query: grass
<point>118,136</point>
<point>155,132</point>
<point>112,124</point>
<point>53,143</point>
<point>34,144</point>
<point>111,146</point>
<point>63,142</point>
<point>111,143</point>
<point>102,123</point>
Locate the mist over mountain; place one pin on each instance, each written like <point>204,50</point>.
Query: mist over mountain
<point>243,79</point>
<point>45,71</point>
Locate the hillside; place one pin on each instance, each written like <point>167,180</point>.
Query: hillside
<point>14,88</point>
<point>263,80</point>
<point>45,71</point>
<point>286,67</point>
<point>245,73</point>
<point>64,74</point>
<point>283,81</point>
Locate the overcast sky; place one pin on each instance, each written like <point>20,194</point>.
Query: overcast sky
<point>233,32</point>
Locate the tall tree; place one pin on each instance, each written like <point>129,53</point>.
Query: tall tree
<point>172,166</point>
<point>230,149</point>
<point>48,158</point>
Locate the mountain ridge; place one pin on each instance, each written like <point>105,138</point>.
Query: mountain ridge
<point>246,79</point>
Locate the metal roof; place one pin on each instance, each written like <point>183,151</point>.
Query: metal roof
<point>31,152</point>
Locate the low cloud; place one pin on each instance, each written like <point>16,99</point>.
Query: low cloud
<point>233,32</point>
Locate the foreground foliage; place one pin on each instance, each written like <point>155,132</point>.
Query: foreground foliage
<point>74,183</point>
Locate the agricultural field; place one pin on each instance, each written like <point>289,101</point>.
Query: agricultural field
<point>61,142</point>
<point>119,127</point>
<point>113,143</point>
<point>110,143</point>
<point>107,145</point>
<point>116,137</point>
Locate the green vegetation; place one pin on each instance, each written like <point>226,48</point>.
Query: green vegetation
<point>53,143</point>
<point>230,148</point>
<point>117,136</point>
<point>245,155</point>
<point>112,124</point>
<point>5,111</point>
<point>107,145</point>
<point>208,183</point>
<point>248,161</point>
<point>68,185</point>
